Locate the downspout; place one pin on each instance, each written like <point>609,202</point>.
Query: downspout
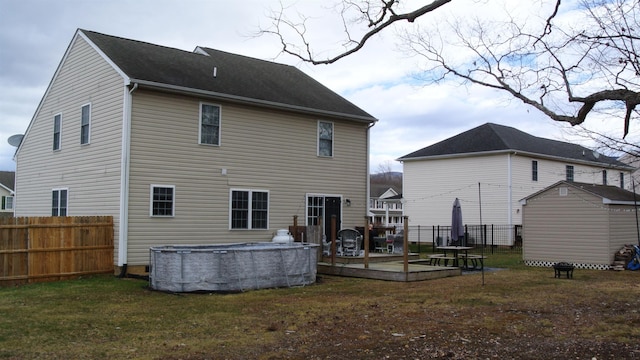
<point>124,180</point>
<point>368,186</point>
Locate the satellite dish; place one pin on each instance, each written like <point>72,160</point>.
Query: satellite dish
<point>596,154</point>
<point>15,140</point>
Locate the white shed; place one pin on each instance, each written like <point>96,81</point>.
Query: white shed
<point>580,223</point>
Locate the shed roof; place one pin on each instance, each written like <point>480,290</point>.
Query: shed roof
<point>494,138</point>
<point>610,194</point>
<point>225,75</point>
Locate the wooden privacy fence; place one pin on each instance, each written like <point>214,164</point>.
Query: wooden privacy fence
<point>38,249</point>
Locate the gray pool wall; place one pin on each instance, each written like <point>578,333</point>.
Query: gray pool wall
<point>232,267</point>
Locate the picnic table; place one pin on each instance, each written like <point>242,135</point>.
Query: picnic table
<point>455,254</point>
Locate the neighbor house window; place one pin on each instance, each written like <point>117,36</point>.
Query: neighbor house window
<point>569,172</point>
<point>325,138</point>
<point>604,177</point>
<point>7,203</point>
<point>162,200</point>
<point>249,209</point>
<point>85,124</point>
<point>534,170</point>
<point>59,202</point>
<point>57,127</point>
<point>209,124</point>
<point>622,180</point>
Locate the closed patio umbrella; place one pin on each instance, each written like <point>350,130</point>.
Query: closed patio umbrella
<point>457,229</point>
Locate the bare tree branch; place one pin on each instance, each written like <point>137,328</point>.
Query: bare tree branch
<point>386,18</point>
<point>567,72</point>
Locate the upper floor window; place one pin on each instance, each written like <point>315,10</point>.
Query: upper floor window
<point>162,200</point>
<point>85,124</point>
<point>59,202</point>
<point>57,128</point>
<point>569,172</point>
<point>622,180</point>
<point>249,209</point>
<point>325,138</point>
<point>7,203</point>
<point>534,170</point>
<point>604,177</point>
<point>209,124</point>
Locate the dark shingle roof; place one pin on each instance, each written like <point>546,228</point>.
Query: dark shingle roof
<point>8,179</point>
<point>238,77</point>
<point>378,190</point>
<point>613,193</point>
<point>499,138</point>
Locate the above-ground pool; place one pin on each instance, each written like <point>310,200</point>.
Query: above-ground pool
<point>232,267</point>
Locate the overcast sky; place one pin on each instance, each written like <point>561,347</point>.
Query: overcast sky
<point>34,34</point>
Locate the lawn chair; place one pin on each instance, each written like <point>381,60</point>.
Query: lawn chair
<point>350,241</point>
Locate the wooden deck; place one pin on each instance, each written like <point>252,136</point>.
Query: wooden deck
<point>385,267</point>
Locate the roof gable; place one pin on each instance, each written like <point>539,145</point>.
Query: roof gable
<point>219,73</point>
<point>499,138</point>
<point>8,180</point>
<point>608,193</point>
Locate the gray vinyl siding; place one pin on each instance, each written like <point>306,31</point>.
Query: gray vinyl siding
<point>90,172</point>
<point>260,150</point>
<point>623,228</point>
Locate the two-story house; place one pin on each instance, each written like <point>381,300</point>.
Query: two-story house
<point>7,184</point>
<point>385,206</point>
<point>189,147</point>
<point>492,167</point>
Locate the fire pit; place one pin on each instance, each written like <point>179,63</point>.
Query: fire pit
<point>563,267</point>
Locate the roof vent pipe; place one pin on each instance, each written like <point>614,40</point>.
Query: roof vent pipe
<point>215,71</point>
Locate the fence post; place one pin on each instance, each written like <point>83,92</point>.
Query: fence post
<point>492,238</point>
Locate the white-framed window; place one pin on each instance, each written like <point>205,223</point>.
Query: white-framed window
<point>249,209</point>
<point>162,200</point>
<point>57,131</point>
<point>534,170</point>
<point>604,177</point>
<point>7,203</point>
<point>59,202</point>
<point>569,171</point>
<point>622,180</point>
<point>210,120</point>
<point>85,124</point>
<point>325,138</point>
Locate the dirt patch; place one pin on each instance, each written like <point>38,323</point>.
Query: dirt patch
<point>515,315</point>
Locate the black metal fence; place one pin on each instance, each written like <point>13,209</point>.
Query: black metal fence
<point>496,238</point>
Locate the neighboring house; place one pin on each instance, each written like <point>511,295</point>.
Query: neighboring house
<point>7,194</point>
<point>633,161</point>
<point>189,147</point>
<point>580,223</point>
<point>385,205</point>
<point>490,168</point>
